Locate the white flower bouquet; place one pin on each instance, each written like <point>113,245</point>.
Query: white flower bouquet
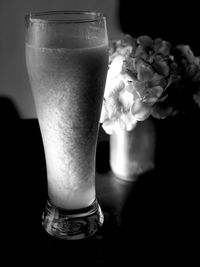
<point>148,77</point>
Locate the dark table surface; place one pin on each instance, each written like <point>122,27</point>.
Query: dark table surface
<point>153,220</point>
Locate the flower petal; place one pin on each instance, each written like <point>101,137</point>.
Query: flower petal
<point>145,41</point>
<point>109,126</point>
<point>125,51</point>
<point>126,99</point>
<point>113,86</point>
<point>161,111</point>
<point>153,94</point>
<point>162,47</point>
<point>145,72</point>
<point>161,66</point>
<point>140,110</point>
<point>113,107</point>
<point>129,121</point>
<point>116,66</point>
<point>132,89</point>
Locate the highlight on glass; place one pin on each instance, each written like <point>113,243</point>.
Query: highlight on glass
<point>67,61</point>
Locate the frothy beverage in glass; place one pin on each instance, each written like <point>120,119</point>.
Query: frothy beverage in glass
<point>67,58</point>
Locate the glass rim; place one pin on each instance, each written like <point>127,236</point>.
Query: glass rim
<point>88,16</point>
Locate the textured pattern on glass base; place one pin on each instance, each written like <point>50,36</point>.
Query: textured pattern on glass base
<point>72,224</point>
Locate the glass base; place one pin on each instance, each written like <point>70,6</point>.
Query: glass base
<point>72,224</point>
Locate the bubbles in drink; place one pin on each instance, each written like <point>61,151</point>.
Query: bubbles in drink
<point>68,86</point>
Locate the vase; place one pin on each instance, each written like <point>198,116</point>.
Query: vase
<point>132,153</point>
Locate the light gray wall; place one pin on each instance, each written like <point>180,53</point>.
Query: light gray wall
<point>13,77</point>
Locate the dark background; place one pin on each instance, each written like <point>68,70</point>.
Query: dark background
<point>175,21</point>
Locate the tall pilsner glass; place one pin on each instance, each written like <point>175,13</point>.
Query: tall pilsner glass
<point>67,59</point>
